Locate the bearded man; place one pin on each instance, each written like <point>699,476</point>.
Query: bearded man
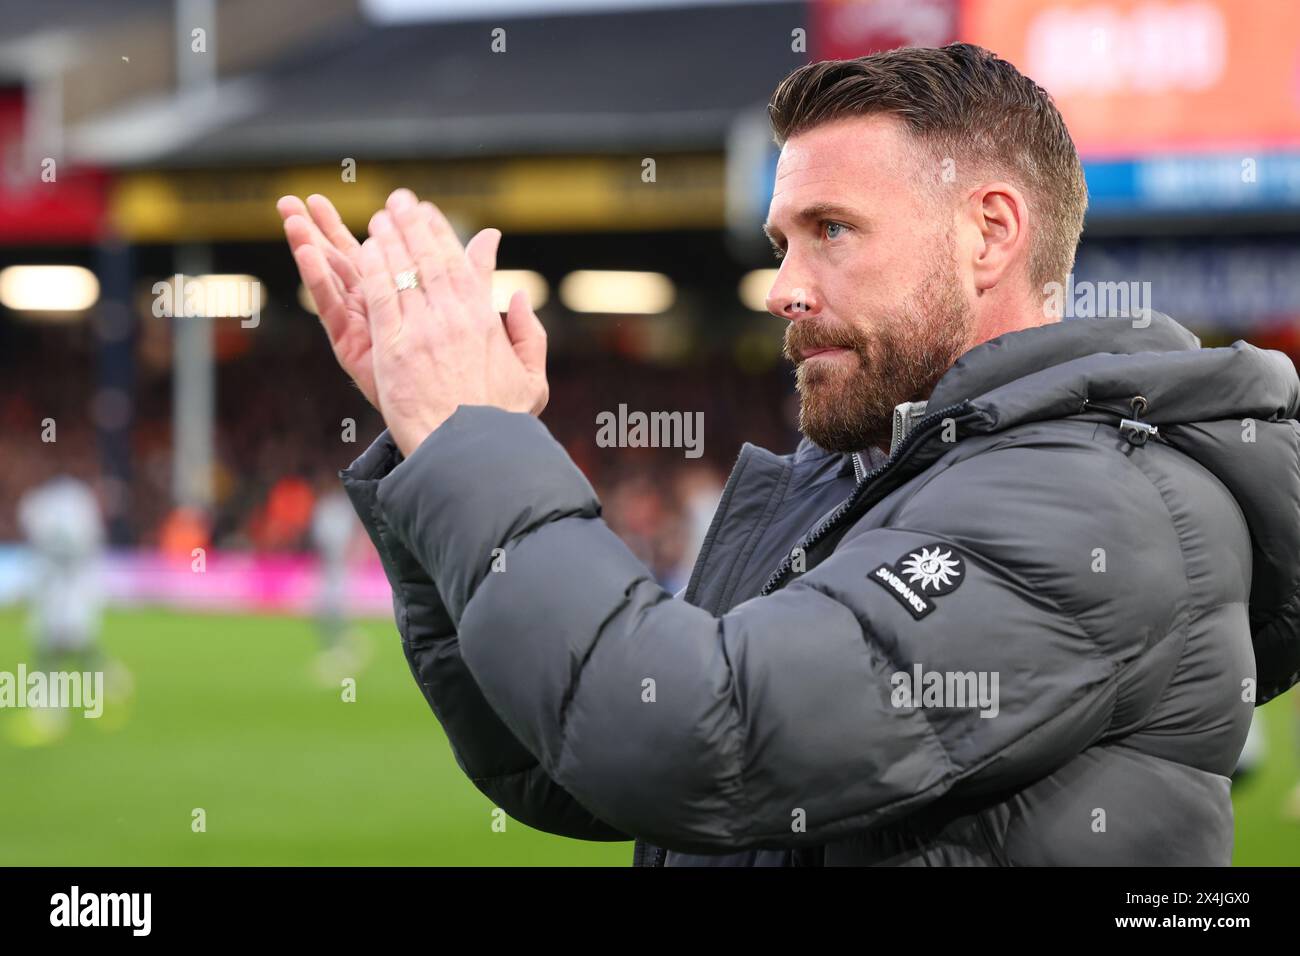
<point>1013,600</point>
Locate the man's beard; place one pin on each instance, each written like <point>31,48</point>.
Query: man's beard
<point>848,406</point>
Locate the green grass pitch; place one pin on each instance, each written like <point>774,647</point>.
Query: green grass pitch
<point>226,717</point>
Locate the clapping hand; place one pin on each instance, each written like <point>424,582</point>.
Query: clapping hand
<point>419,351</point>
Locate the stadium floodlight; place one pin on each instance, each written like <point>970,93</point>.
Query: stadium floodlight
<point>754,287</point>
<point>643,293</point>
<point>227,296</point>
<point>57,289</point>
<point>506,281</point>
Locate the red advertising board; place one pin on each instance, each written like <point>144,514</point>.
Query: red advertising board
<point>42,202</point>
<point>842,29</point>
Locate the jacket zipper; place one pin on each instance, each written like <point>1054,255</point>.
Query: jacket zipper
<point>921,429</point>
<point>859,470</point>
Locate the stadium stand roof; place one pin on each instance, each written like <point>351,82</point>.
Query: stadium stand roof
<point>665,79</point>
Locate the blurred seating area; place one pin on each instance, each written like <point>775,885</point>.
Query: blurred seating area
<point>281,429</point>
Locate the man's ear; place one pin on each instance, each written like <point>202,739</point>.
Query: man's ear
<point>1000,216</point>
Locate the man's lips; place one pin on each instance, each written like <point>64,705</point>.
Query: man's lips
<point>826,350</point>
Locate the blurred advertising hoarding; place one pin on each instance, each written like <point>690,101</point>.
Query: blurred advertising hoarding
<point>1133,77</point>
<point>41,199</point>
<point>232,582</point>
<point>1176,106</point>
<point>843,29</point>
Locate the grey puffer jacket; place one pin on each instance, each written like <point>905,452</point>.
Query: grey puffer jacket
<point>1034,634</point>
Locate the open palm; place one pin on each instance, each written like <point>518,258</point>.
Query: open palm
<point>328,261</point>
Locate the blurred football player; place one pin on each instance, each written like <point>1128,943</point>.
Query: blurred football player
<point>333,529</point>
<point>62,522</point>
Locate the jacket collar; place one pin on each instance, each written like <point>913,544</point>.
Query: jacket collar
<point>1015,355</point>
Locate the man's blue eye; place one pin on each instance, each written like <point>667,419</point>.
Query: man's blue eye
<point>833,225</point>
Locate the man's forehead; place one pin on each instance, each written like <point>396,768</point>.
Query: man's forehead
<point>855,141</point>
<point>834,163</point>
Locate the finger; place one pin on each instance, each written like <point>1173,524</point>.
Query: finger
<point>482,254</point>
<point>448,250</point>
<point>309,231</point>
<point>526,332</point>
<point>398,258</point>
<point>331,225</point>
<point>441,277</point>
<point>343,265</point>
<point>381,296</point>
<point>320,282</point>
<point>299,231</point>
<point>334,238</point>
<point>400,198</point>
<point>417,233</point>
<point>290,206</point>
<point>414,220</point>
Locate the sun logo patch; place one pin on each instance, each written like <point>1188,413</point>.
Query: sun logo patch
<point>919,576</point>
<point>936,569</point>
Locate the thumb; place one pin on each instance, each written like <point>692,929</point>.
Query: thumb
<point>526,333</point>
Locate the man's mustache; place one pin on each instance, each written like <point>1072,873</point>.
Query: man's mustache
<point>801,337</point>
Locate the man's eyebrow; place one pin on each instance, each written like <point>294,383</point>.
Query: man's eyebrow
<point>818,210</point>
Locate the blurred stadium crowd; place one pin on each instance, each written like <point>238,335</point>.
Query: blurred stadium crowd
<point>280,443</point>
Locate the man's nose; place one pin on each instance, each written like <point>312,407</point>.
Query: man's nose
<point>790,301</point>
